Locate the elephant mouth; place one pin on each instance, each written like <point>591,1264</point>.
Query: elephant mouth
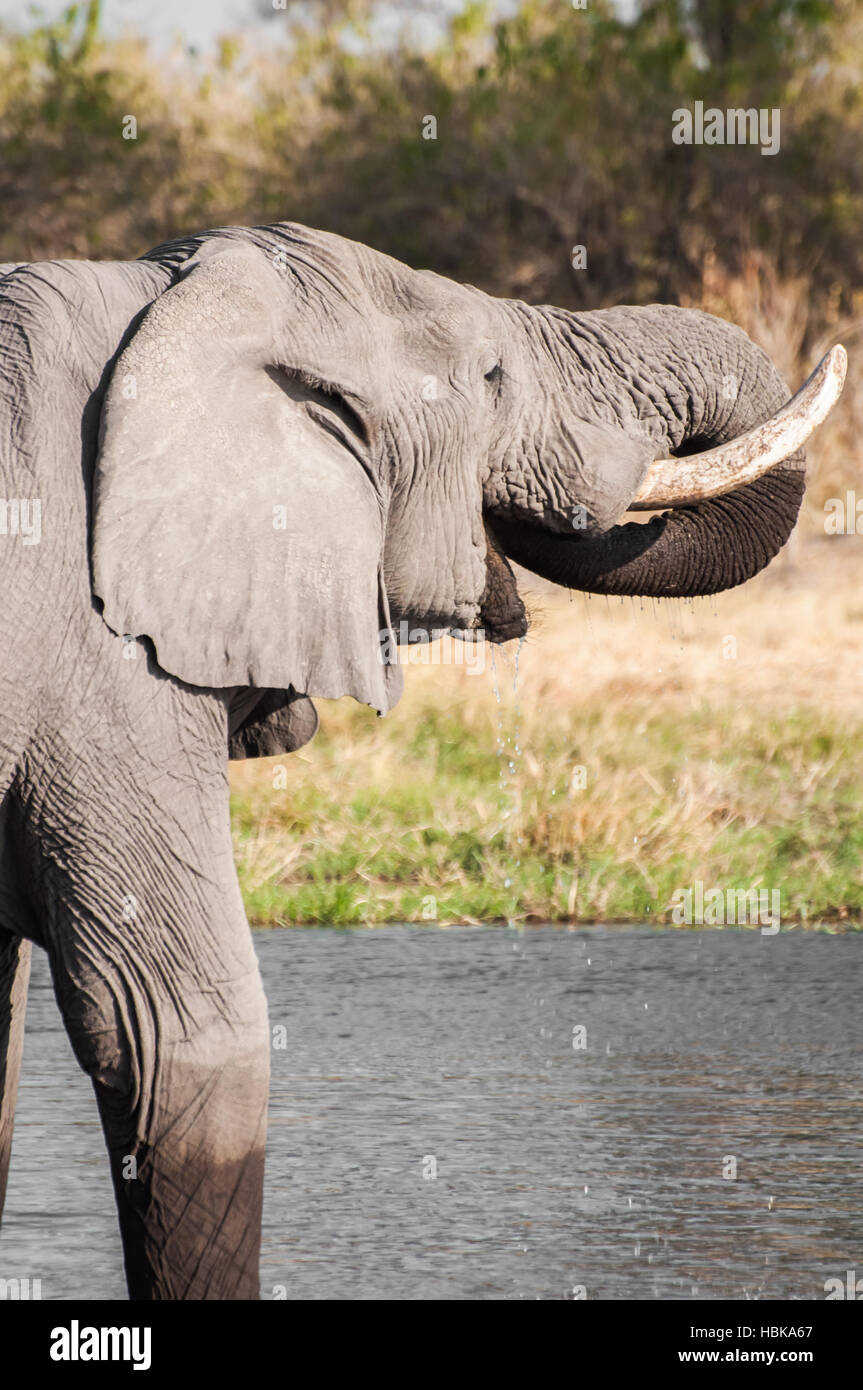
<point>515,627</point>
<point>502,615</point>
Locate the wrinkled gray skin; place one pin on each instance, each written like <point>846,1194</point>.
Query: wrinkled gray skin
<point>256,452</point>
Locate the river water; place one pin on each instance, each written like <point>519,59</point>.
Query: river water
<point>441,1126</point>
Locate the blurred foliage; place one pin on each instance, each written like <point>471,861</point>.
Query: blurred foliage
<point>553,129</point>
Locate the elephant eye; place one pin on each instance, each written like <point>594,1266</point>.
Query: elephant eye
<point>494,374</point>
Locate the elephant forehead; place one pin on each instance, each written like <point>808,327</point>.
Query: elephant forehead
<point>439,308</point>
<point>449,332</point>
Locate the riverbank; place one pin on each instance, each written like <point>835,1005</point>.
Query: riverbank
<point>649,748</point>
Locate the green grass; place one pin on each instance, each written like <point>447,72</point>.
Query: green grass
<point>409,819</point>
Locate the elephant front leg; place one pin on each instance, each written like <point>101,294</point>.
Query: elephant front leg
<point>180,1066</point>
<point>14,977</point>
<point>187,1159</point>
<point>158,983</point>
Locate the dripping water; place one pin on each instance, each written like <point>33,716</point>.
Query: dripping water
<point>509,756</point>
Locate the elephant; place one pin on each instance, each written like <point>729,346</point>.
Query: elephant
<point>231,470</point>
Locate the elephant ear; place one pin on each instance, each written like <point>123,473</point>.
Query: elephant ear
<point>231,528</point>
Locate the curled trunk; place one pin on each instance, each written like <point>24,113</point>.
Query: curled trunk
<point>699,549</point>
<point>682,383</point>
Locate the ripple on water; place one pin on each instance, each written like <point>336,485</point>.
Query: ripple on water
<point>414,1052</point>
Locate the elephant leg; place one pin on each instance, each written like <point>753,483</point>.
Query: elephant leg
<point>188,1170</point>
<point>167,1015</point>
<point>158,984</point>
<point>14,978</point>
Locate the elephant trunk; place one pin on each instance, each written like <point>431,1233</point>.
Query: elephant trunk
<point>678,382</point>
<point>700,549</point>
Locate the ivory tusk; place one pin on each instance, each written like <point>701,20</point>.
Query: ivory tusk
<point>677,482</point>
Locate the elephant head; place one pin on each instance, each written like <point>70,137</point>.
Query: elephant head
<point>306,445</point>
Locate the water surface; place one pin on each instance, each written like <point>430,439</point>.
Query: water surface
<point>414,1051</point>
